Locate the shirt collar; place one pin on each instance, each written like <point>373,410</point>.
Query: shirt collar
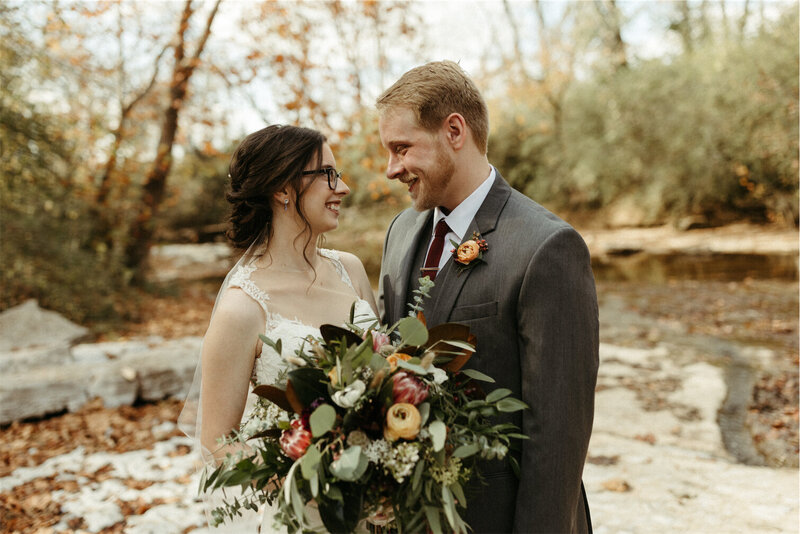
<point>460,218</point>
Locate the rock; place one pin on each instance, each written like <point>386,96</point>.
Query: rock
<point>139,373</point>
<point>167,370</point>
<point>101,352</point>
<point>28,325</point>
<point>18,360</point>
<point>42,391</point>
<point>112,384</point>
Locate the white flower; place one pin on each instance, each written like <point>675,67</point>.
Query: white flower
<point>348,397</point>
<point>294,360</point>
<point>439,375</point>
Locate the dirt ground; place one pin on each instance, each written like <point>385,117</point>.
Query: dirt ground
<point>757,313</point>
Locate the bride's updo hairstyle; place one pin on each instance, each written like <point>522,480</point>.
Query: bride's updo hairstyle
<point>264,163</point>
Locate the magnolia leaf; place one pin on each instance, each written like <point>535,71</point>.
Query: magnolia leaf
<point>432,514</point>
<point>466,450</point>
<point>310,462</point>
<point>498,394</point>
<point>293,399</point>
<point>412,331</point>
<point>309,384</point>
<point>477,375</point>
<point>438,432</point>
<point>447,332</point>
<point>322,420</point>
<point>275,395</point>
<point>332,334</point>
<point>511,405</point>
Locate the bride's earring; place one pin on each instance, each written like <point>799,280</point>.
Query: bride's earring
<point>285,204</point>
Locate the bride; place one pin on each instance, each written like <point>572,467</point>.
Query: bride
<point>285,193</point>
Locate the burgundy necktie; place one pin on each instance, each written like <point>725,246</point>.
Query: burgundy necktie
<point>435,250</point>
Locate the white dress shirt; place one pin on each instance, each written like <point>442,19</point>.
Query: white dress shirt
<point>460,218</point>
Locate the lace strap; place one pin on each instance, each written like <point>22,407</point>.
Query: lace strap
<point>333,255</point>
<point>241,279</point>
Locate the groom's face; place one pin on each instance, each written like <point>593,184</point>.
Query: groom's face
<point>417,157</point>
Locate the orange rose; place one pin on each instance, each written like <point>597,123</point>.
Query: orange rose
<point>402,421</point>
<point>468,251</point>
<point>393,358</point>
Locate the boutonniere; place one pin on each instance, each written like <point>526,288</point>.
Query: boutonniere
<point>469,253</point>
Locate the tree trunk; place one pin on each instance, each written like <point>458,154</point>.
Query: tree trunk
<point>156,180</point>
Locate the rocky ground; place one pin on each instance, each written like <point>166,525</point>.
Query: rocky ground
<point>665,456</point>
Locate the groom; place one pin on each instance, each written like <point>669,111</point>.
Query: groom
<point>531,302</point>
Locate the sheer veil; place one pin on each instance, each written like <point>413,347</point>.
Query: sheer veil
<point>190,418</point>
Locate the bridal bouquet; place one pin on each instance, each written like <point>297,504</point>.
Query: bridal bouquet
<point>376,425</point>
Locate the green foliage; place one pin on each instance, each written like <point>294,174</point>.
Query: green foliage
<point>711,132</point>
<point>197,191</point>
<point>45,216</point>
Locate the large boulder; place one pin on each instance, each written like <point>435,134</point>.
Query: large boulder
<point>34,337</point>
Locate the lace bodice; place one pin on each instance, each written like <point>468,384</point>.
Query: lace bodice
<point>270,366</point>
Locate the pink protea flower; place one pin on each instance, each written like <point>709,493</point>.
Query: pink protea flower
<point>296,440</point>
<point>407,388</point>
<point>379,339</point>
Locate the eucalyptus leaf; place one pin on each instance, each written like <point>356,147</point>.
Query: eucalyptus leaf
<point>458,344</point>
<point>270,343</point>
<point>498,394</point>
<point>350,465</point>
<point>477,375</point>
<point>313,482</point>
<point>415,480</point>
<point>438,432</point>
<point>418,369</point>
<point>449,506</point>
<point>310,462</point>
<point>432,514</point>
<point>458,493</point>
<point>322,420</point>
<point>412,331</point>
<point>466,450</point>
<point>424,411</point>
<point>511,405</point>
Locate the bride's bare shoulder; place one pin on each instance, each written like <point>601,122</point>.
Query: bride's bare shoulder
<point>236,305</point>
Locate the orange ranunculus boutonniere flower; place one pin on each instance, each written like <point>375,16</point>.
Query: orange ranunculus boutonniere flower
<point>469,253</point>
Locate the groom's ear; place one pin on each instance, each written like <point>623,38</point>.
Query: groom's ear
<point>455,130</point>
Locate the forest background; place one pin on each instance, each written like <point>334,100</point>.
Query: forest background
<point>117,119</point>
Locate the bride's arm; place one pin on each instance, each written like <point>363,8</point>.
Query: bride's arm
<point>358,275</point>
<point>229,350</point>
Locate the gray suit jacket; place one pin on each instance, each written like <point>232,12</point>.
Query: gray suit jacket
<point>533,309</point>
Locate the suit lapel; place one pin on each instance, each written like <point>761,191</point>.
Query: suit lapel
<point>412,238</point>
<point>450,281</point>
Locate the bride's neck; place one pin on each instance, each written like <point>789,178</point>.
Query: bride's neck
<point>285,251</point>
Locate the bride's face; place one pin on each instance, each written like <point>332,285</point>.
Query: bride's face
<point>320,202</point>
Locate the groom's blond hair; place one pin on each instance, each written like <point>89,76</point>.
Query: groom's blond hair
<point>435,90</point>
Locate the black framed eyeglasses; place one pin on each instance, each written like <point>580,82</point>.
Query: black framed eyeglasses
<point>333,176</point>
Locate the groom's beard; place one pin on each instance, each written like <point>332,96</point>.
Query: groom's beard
<point>431,190</point>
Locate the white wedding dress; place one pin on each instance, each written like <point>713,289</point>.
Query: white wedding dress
<point>269,367</point>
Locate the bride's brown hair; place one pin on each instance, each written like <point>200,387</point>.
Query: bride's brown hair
<point>264,163</point>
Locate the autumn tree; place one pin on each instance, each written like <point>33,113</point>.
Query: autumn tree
<point>185,63</point>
